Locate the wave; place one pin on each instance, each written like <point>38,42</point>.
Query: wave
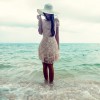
<point>2,66</point>
<point>96,64</point>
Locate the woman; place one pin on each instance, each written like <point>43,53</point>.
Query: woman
<point>48,50</point>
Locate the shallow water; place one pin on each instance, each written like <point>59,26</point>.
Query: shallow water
<point>77,73</point>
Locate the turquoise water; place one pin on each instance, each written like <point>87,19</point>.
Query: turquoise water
<point>77,73</point>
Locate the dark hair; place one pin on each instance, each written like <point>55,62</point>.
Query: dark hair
<point>52,24</point>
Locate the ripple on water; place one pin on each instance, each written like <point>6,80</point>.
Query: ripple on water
<point>64,89</point>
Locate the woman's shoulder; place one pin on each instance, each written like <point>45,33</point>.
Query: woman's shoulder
<point>56,19</point>
<point>43,20</point>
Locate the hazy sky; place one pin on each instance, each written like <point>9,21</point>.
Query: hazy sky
<point>79,20</point>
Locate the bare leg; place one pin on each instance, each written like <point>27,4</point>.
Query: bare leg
<point>45,71</point>
<point>51,73</point>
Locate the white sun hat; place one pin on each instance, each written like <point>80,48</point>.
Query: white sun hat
<point>48,8</point>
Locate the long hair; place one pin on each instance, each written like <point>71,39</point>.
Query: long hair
<point>52,24</point>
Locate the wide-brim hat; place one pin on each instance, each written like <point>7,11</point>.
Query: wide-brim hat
<point>48,8</point>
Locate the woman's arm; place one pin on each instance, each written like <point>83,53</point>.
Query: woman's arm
<point>40,30</point>
<point>57,36</point>
<point>57,31</point>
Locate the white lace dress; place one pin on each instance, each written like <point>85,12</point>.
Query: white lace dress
<point>48,51</point>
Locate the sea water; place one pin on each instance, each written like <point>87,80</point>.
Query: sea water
<point>76,73</point>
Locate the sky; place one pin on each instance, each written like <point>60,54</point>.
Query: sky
<point>79,20</point>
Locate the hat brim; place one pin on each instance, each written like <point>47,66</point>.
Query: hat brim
<point>40,11</point>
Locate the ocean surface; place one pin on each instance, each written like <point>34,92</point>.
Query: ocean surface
<point>76,73</point>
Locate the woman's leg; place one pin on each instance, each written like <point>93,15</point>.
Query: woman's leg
<point>45,71</point>
<point>51,73</point>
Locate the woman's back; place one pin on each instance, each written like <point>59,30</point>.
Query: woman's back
<point>46,26</point>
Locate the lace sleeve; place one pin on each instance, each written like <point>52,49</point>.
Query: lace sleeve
<point>40,29</point>
<point>57,22</point>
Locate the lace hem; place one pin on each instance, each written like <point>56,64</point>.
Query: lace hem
<point>48,59</point>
